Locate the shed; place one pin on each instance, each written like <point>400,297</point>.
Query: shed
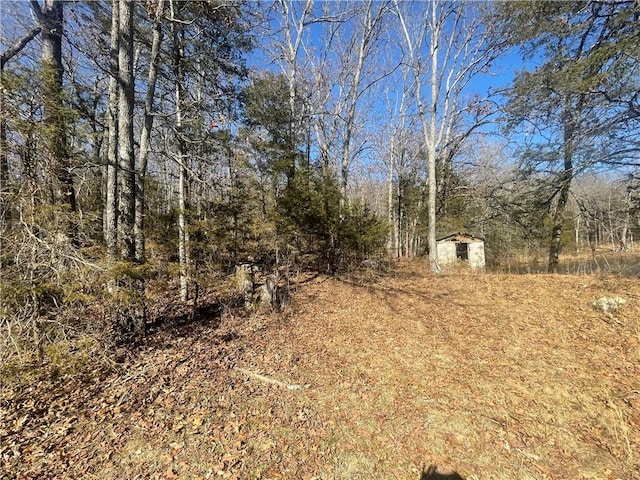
<point>462,247</point>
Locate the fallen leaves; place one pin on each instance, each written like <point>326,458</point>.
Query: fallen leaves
<point>497,374</point>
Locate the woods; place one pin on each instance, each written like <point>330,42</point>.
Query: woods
<point>158,146</point>
<point>319,239</point>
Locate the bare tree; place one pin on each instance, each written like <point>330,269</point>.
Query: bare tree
<point>446,45</point>
<point>11,52</point>
<point>341,74</point>
<point>293,30</point>
<point>400,153</point>
<point>180,154</point>
<point>145,135</point>
<point>8,54</point>
<point>354,85</point>
<point>605,207</point>
<point>338,72</point>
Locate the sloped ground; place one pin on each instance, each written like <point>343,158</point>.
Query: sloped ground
<point>489,376</point>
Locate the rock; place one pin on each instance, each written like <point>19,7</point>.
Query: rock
<point>267,293</point>
<point>609,304</point>
<point>244,283</point>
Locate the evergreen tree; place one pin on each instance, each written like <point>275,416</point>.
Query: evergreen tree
<point>584,52</point>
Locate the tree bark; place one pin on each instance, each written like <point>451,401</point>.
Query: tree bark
<point>390,197</point>
<point>146,133</point>
<point>183,238</point>
<point>428,117</point>
<point>566,177</point>
<point>431,144</point>
<point>292,48</point>
<point>50,17</point>
<point>111,200</point>
<point>131,316</point>
<point>399,218</point>
<point>126,174</point>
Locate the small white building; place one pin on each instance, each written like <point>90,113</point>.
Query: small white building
<point>461,247</point>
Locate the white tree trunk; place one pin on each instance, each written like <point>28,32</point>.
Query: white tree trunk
<point>291,49</point>
<point>455,42</point>
<point>183,238</point>
<point>145,135</point>
<point>354,89</point>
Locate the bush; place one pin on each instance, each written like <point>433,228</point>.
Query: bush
<point>50,290</point>
<point>311,217</point>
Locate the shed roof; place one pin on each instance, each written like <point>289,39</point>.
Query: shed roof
<point>460,237</point>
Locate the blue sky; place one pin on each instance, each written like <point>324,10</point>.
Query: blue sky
<point>501,74</point>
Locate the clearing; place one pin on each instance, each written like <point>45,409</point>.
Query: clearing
<point>484,376</point>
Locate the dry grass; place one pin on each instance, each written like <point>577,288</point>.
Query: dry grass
<point>492,376</point>
<point>603,261</point>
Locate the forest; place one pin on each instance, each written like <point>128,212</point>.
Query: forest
<point>172,142</point>
<point>192,192</point>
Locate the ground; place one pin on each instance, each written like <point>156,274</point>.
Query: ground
<point>385,376</point>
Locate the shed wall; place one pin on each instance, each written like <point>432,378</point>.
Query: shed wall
<point>446,253</point>
<point>476,255</point>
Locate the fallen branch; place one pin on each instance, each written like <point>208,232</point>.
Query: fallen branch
<point>269,380</point>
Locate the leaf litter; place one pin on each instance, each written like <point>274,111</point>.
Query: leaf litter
<point>491,376</point>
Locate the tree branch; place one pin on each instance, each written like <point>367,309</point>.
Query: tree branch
<point>17,48</point>
<point>37,9</point>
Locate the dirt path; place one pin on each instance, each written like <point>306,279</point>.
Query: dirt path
<point>493,377</point>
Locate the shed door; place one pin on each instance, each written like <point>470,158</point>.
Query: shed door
<point>462,251</point>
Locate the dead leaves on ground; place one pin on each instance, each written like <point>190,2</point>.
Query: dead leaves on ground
<point>494,376</point>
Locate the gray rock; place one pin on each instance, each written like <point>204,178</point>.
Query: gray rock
<point>609,304</point>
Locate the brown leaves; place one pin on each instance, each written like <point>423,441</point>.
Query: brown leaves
<point>498,375</point>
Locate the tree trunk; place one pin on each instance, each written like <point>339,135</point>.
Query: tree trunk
<point>431,144</point>
<point>146,134</point>
<point>565,186</point>
<point>4,166</point>
<point>292,48</point>
<point>4,162</point>
<point>626,224</point>
<point>131,315</point>
<point>400,218</point>
<point>126,175</point>
<point>183,239</point>
<point>54,118</point>
<point>50,18</point>
<point>111,197</point>
<point>390,198</point>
